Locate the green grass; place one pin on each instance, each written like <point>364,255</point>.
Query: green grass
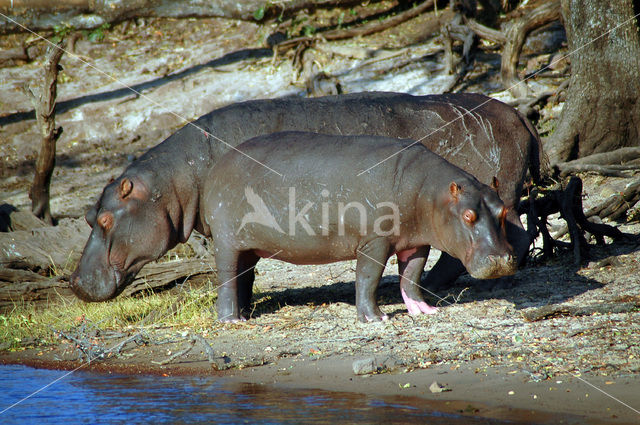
<point>28,324</point>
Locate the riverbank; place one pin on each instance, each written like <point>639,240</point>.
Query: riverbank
<point>530,342</point>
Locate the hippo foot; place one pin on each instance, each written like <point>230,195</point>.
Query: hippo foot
<point>417,307</point>
<point>233,320</point>
<point>374,318</point>
<point>382,318</point>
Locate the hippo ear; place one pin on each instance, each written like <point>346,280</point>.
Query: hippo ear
<point>90,216</point>
<point>495,184</point>
<point>126,186</point>
<point>455,190</point>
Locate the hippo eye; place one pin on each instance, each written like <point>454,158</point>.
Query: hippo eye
<point>105,221</point>
<point>469,216</point>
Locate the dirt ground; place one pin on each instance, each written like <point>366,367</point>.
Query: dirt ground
<point>582,361</point>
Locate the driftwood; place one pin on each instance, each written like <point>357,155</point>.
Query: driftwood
<point>515,36</point>
<point>485,32</point>
<point>14,55</point>
<point>29,257</point>
<point>607,163</point>
<point>567,202</point>
<point>362,30</point>
<point>526,105</point>
<point>19,286</point>
<point>617,205</point>
<point>557,310</point>
<point>12,219</point>
<point>87,14</point>
<point>44,104</point>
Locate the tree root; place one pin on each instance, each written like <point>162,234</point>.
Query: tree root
<point>515,37</point>
<point>567,202</point>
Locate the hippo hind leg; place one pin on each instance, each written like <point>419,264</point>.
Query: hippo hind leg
<point>246,275</point>
<point>410,266</point>
<point>444,272</point>
<point>370,263</point>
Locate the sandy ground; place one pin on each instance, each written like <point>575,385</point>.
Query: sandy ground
<point>579,368</point>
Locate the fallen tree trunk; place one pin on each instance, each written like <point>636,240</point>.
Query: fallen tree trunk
<point>362,30</point>
<point>18,287</point>
<point>86,14</point>
<point>558,310</point>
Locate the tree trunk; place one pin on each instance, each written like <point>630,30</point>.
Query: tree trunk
<point>602,112</point>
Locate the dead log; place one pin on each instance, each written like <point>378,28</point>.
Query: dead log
<point>515,36</point>
<point>44,104</point>
<point>18,54</point>
<point>87,14</point>
<point>485,32</point>
<point>606,163</point>
<point>560,310</point>
<point>617,205</point>
<point>362,30</point>
<point>24,286</point>
<point>12,219</point>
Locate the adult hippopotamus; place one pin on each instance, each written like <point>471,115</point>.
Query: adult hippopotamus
<point>156,202</point>
<point>302,198</point>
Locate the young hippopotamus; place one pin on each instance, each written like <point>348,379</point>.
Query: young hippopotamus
<point>301,198</point>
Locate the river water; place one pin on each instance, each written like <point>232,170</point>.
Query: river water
<point>83,397</point>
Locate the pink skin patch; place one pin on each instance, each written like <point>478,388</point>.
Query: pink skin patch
<point>404,255</point>
<point>384,318</point>
<point>417,307</point>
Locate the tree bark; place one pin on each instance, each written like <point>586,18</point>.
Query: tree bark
<point>601,112</point>
<point>44,104</point>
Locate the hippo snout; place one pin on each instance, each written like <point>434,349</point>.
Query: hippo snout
<point>494,266</point>
<point>92,288</point>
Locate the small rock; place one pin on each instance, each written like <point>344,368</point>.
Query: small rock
<point>364,366</point>
<point>435,387</point>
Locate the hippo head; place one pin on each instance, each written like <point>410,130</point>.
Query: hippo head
<point>472,229</point>
<point>130,228</point>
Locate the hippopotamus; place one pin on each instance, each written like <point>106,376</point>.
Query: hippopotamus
<point>157,201</point>
<point>299,197</point>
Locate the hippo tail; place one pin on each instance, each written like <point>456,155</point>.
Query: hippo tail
<point>539,168</point>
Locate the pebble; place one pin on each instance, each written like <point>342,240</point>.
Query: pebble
<point>364,366</point>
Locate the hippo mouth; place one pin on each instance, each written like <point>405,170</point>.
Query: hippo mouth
<point>493,266</point>
<point>94,288</point>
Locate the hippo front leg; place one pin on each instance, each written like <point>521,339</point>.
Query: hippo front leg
<point>227,304</point>
<point>371,261</point>
<point>410,265</point>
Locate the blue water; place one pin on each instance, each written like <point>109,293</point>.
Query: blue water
<point>90,398</point>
